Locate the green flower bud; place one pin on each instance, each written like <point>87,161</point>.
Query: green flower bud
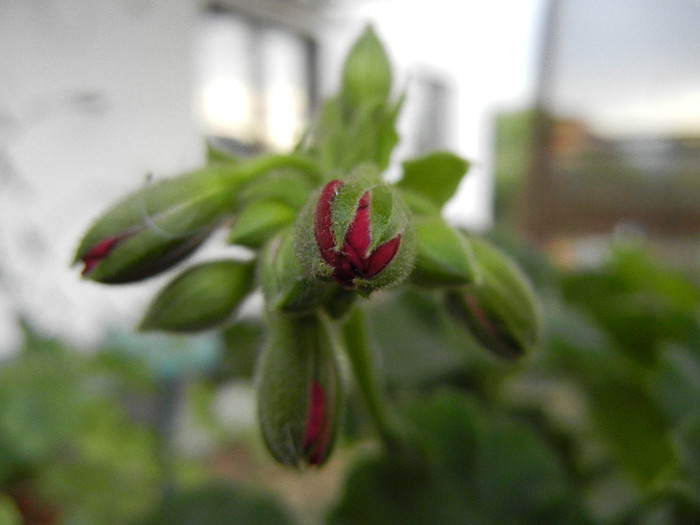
<point>443,256</point>
<point>287,288</point>
<point>155,228</point>
<point>201,297</point>
<point>356,232</point>
<point>366,72</point>
<point>500,308</point>
<point>299,391</point>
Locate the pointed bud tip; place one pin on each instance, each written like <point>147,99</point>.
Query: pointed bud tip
<point>354,260</point>
<point>317,429</point>
<point>98,252</point>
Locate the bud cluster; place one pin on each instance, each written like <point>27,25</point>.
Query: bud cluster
<point>323,231</point>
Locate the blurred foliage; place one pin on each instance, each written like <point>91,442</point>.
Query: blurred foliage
<point>600,426</point>
<point>512,142</point>
<point>69,449</point>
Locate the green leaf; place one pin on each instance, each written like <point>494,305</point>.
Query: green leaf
<point>9,514</point>
<point>629,419</point>
<point>201,297</point>
<point>366,72</point>
<point>259,221</point>
<point>435,176</point>
<point>216,504</point>
<point>478,468</point>
<point>359,124</point>
<point>287,186</point>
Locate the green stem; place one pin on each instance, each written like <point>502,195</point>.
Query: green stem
<point>357,345</point>
<point>266,163</point>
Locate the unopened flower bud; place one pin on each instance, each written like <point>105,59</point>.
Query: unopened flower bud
<point>156,227</point>
<point>201,297</point>
<point>299,391</point>
<point>358,235</point>
<point>443,255</point>
<point>500,307</point>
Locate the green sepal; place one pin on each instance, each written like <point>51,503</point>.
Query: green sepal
<point>299,351</point>
<point>258,222</point>
<point>500,308</point>
<point>201,297</point>
<point>435,176</point>
<point>288,186</point>
<point>444,256</point>
<point>287,287</point>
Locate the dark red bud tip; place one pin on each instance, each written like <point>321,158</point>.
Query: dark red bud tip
<point>99,252</point>
<point>317,430</point>
<point>382,256</point>
<point>354,260</point>
<point>323,222</point>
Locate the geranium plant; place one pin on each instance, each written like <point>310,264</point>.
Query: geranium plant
<point>326,233</point>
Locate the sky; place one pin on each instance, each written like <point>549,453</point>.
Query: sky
<point>629,67</point>
<point>96,96</point>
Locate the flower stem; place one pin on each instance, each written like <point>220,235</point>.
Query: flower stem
<point>388,426</point>
<point>267,163</point>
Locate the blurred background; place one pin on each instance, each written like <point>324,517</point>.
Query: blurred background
<point>582,121</point>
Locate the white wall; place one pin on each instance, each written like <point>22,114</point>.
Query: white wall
<point>486,51</point>
<point>96,94</point>
<point>64,159</point>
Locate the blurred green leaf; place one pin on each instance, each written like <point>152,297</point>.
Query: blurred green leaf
<point>9,515</point>
<point>286,186</point>
<point>358,125</point>
<point>479,468</point>
<point>366,76</point>
<point>631,421</point>
<point>638,302</point>
<point>435,176</point>
<point>219,504</point>
<point>676,381</point>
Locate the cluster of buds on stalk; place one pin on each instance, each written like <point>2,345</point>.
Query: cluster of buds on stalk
<point>324,232</point>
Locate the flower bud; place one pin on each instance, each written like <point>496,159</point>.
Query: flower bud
<point>156,227</point>
<point>500,307</point>
<point>443,256</point>
<point>299,391</point>
<point>201,297</point>
<point>357,234</point>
